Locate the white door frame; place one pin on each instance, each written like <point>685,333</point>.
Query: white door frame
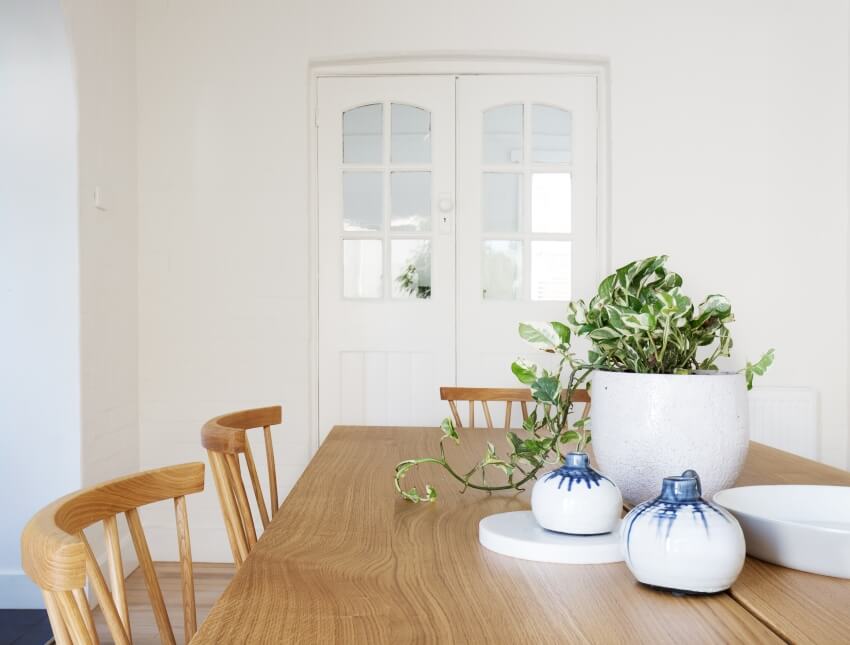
<point>443,63</point>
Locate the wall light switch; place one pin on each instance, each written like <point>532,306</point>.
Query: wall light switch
<point>98,199</point>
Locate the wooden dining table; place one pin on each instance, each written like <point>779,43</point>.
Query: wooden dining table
<point>346,561</point>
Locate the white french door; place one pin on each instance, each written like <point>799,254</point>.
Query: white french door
<point>415,293</point>
<point>386,260</point>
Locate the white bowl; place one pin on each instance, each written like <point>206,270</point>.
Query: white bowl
<point>801,527</point>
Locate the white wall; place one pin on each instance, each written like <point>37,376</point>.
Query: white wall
<point>103,37</point>
<point>104,45</point>
<point>68,271</point>
<point>729,152</point>
<point>39,277</point>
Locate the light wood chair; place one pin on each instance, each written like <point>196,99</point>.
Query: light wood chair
<point>225,438</point>
<point>507,395</point>
<point>57,556</point>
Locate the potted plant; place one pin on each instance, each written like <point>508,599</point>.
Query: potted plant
<point>660,403</point>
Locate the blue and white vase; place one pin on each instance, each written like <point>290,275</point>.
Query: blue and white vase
<point>576,499</point>
<point>681,542</point>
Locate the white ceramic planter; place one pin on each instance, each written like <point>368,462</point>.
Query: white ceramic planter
<point>576,499</point>
<point>649,426</point>
<point>681,542</point>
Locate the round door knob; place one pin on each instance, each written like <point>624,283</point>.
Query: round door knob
<point>445,204</point>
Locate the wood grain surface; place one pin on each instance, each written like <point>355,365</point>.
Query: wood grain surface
<point>346,561</point>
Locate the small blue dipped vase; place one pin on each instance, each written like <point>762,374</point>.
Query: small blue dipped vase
<point>576,499</point>
<point>679,541</point>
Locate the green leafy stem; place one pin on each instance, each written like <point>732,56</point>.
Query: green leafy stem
<point>546,428</point>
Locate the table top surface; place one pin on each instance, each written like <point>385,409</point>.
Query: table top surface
<point>345,560</point>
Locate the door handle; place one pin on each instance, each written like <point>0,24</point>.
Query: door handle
<point>446,206</point>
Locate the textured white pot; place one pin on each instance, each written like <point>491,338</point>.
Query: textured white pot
<point>650,426</point>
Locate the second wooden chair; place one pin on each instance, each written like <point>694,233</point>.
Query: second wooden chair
<point>225,438</point>
<point>506,395</point>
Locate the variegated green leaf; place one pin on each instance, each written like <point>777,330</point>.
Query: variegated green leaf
<point>758,368</point>
<point>546,389</point>
<point>604,333</point>
<point>540,333</point>
<point>449,431</point>
<point>525,372</point>
<point>563,332</point>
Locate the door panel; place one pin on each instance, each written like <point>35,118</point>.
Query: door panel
<point>526,212</point>
<point>386,258</point>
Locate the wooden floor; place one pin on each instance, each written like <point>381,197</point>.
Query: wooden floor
<point>210,581</point>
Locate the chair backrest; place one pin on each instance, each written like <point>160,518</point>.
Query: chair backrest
<point>508,395</point>
<point>57,556</point>
<point>225,438</point>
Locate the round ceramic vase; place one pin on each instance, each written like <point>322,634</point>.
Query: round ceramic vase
<point>646,426</point>
<point>576,499</point>
<point>681,542</point>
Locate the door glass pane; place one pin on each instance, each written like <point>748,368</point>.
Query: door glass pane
<point>362,268</point>
<point>411,134</point>
<point>410,196</point>
<point>362,201</point>
<point>551,270</point>
<point>500,202</point>
<point>411,268</point>
<point>503,134</point>
<point>501,270</point>
<point>362,130</point>
<point>551,202</point>
<point>550,134</point>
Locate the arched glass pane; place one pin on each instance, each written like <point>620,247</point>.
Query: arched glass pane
<point>362,130</point>
<point>502,134</point>
<point>411,134</point>
<point>551,130</point>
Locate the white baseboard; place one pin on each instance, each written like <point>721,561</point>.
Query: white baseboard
<point>17,591</point>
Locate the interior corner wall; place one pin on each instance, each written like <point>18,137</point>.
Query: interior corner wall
<point>103,39</point>
<point>39,277</point>
<point>729,126</point>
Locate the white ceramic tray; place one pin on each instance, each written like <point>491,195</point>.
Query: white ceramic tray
<point>801,527</point>
<point>518,535</point>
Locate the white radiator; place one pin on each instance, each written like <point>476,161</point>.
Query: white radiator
<point>785,418</point>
